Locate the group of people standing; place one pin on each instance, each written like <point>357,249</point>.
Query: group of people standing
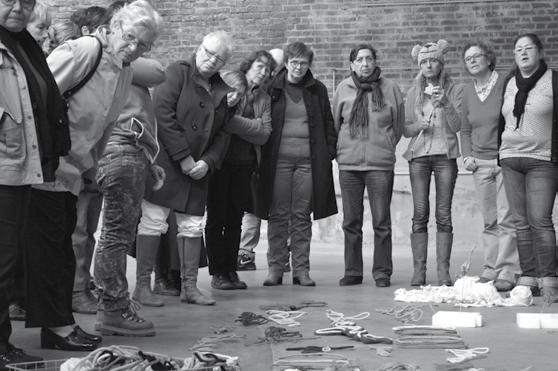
<point>260,139</point>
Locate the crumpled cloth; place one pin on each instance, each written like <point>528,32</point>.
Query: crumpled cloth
<point>466,292</point>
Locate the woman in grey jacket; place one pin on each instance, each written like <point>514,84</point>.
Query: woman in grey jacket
<point>369,116</point>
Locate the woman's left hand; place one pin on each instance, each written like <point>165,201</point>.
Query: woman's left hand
<point>439,98</point>
<point>199,170</point>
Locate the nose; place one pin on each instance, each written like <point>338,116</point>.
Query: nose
<point>17,5</point>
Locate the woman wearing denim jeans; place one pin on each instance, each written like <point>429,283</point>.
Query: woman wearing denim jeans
<point>528,156</point>
<point>432,121</point>
<point>369,114</point>
<point>481,103</point>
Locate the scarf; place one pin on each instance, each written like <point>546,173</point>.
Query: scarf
<point>51,125</point>
<point>524,85</point>
<point>358,122</point>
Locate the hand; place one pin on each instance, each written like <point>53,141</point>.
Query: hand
<point>158,175</point>
<point>424,124</point>
<point>187,165</point>
<point>470,163</point>
<point>438,97</point>
<point>199,170</point>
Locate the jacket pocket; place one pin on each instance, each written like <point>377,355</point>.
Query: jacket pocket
<point>12,140</point>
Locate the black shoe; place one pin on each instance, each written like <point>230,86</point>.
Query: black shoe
<point>50,340</point>
<point>237,283</point>
<point>221,281</point>
<point>383,282</point>
<point>87,336</point>
<point>350,280</point>
<point>16,355</point>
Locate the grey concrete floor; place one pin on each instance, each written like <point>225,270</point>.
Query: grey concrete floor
<point>179,326</point>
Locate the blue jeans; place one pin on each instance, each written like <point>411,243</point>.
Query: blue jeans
<point>445,175</point>
<point>291,202</point>
<point>498,236</point>
<point>379,185</point>
<point>121,177</point>
<point>531,190</point>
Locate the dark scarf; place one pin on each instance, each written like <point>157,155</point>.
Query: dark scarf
<point>358,122</point>
<point>524,85</point>
<point>51,126</point>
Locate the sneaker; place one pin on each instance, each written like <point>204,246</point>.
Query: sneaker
<point>17,313</point>
<point>126,322</point>
<point>246,262</point>
<point>235,280</point>
<point>221,281</point>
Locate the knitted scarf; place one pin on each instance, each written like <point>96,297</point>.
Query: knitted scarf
<point>358,122</point>
<point>524,85</point>
<point>52,128</point>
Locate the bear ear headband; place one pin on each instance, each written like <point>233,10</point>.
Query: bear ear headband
<point>442,44</point>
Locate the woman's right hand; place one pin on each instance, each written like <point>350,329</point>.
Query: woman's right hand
<point>470,163</point>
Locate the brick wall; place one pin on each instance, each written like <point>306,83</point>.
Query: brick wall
<point>331,26</point>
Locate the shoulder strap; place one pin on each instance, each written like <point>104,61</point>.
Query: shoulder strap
<point>68,93</point>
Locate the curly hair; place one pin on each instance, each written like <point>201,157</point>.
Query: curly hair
<point>487,49</point>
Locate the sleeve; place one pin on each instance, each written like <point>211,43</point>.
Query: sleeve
<point>466,130</point>
<point>256,130</point>
<point>165,100</point>
<point>399,114</point>
<point>71,61</point>
<point>411,128</point>
<point>216,151</point>
<point>147,72</point>
<point>452,111</point>
<point>331,133</point>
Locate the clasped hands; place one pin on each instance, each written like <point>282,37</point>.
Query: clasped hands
<point>194,169</point>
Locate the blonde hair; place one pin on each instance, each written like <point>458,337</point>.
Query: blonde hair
<point>41,13</point>
<point>139,13</point>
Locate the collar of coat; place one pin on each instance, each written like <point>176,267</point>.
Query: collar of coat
<point>280,79</point>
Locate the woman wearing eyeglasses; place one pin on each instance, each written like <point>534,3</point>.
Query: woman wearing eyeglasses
<point>529,155</point>
<point>432,122</point>
<point>296,174</point>
<point>481,103</point>
<point>34,135</point>
<point>92,112</point>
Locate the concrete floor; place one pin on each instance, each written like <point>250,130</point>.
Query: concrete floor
<point>179,325</point>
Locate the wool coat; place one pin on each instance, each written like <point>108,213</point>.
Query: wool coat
<point>190,123</point>
<point>323,139</point>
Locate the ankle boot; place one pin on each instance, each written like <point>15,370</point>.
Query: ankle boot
<point>550,290</point>
<point>273,279</point>
<point>419,247</point>
<point>189,252</point>
<point>146,253</point>
<point>444,241</point>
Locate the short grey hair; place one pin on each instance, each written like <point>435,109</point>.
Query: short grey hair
<point>221,37</point>
<point>41,13</point>
<point>139,13</point>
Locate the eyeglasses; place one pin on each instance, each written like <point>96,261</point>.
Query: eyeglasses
<point>26,4</point>
<point>476,57</point>
<point>361,60</point>
<point>211,55</point>
<point>301,64</point>
<point>527,48</point>
<point>133,40</point>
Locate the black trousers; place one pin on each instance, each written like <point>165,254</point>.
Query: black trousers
<point>14,205</point>
<point>227,198</point>
<point>50,260</point>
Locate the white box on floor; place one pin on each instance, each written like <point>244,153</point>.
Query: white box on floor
<point>537,320</point>
<point>457,319</point>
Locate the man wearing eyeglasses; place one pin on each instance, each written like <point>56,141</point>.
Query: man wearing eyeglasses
<point>191,110</point>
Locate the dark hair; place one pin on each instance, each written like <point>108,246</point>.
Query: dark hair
<point>487,48</point>
<point>298,49</point>
<point>359,47</point>
<point>91,17</point>
<point>534,38</point>
<point>258,55</point>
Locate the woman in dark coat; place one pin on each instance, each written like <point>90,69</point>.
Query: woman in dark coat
<point>296,175</point>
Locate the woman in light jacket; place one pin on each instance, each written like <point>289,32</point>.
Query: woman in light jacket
<point>432,121</point>
<point>369,116</point>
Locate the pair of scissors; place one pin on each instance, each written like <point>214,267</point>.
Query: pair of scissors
<point>319,349</point>
<point>462,355</point>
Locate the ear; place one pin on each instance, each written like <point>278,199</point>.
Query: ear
<point>415,52</point>
<point>443,45</point>
<point>84,30</point>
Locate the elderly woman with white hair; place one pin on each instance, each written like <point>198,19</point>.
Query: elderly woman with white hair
<point>432,121</point>
<point>39,22</point>
<point>92,112</point>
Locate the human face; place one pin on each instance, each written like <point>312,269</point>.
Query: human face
<point>211,57</point>
<point>259,72</point>
<point>234,97</point>
<point>431,69</point>
<point>527,56</point>
<point>297,68</point>
<point>14,14</point>
<point>364,63</point>
<point>39,31</point>
<point>476,61</point>
<point>130,42</point>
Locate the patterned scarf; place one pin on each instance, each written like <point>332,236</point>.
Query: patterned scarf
<point>358,122</point>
